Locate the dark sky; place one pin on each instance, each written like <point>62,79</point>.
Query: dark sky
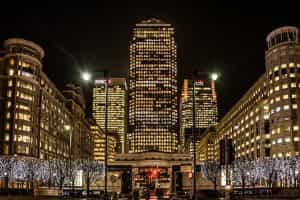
<point>227,38</point>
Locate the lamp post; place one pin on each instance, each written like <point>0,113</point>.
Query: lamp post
<point>213,77</point>
<point>68,129</point>
<point>86,76</point>
<point>194,141</point>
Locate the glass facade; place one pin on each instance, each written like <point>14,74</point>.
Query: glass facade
<point>153,88</point>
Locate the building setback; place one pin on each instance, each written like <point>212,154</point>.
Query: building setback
<point>153,88</point>
<point>265,121</point>
<point>36,119</point>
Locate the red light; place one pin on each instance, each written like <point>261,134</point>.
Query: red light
<point>153,173</point>
<point>109,81</point>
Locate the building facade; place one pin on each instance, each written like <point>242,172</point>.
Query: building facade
<point>206,110</point>
<point>265,121</point>
<point>206,145</point>
<point>35,120</point>
<point>99,143</point>
<point>153,88</point>
<point>116,105</point>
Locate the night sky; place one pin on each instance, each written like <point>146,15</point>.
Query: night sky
<point>94,35</point>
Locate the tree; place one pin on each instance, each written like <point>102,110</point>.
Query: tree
<point>32,169</point>
<point>73,169</point>
<point>269,168</point>
<point>212,171</point>
<point>91,170</point>
<point>6,165</point>
<point>60,171</point>
<point>241,172</point>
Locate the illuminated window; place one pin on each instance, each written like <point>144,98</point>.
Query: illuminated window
<point>286,107</point>
<point>277,88</point>
<point>294,106</point>
<point>296,139</point>
<point>8,104</point>
<point>277,109</point>
<point>293,85</point>
<point>294,96</point>
<point>7,115</point>
<point>295,128</point>
<point>286,96</point>
<point>10,83</point>
<point>287,140</point>
<point>11,72</point>
<point>279,140</point>
<point>6,137</point>
<point>9,93</point>
<point>279,155</point>
<point>283,65</point>
<point>291,64</point>
<point>284,86</point>
<point>277,99</point>
<point>11,61</point>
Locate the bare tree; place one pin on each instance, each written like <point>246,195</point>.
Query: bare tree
<point>241,172</point>
<point>91,169</point>
<point>212,170</point>
<point>60,171</point>
<point>32,169</point>
<point>269,167</point>
<point>6,166</point>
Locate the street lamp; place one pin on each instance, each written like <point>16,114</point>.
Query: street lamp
<point>213,77</point>
<point>67,128</point>
<point>86,76</point>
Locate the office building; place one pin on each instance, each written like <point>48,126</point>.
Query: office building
<point>206,111</point>
<point>99,143</point>
<point>116,104</point>
<point>265,121</point>
<point>153,88</point>
<point>35,120</point>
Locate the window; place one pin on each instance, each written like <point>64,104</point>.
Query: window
<point>284,86</point>
<point>11,72</point>
<point>295,128</point>
<point>6,138</point>
<point>294,96</point>
<point>287,139</point>
<point>9,93</point>
<point>279,140</point>
<point>294,106</point>
<point>8,104</point>
<point>296,139</point>
<point>293,85</point>
<point>286,96</point>
<point>10,83</point>
<point>286,107</point>
<point>277,109</point>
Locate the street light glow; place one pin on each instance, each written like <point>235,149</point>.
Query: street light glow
<point>214,76</point>
<point>67,127</point>
<point>86,76</point>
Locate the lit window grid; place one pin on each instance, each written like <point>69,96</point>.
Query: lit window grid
<point>152,84</point>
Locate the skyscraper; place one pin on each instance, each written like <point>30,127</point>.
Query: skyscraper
<point>153,89</point>
<point>116,108</point>
<point>205,106</point>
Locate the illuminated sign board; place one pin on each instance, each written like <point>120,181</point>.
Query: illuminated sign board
<point>199,82</point>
